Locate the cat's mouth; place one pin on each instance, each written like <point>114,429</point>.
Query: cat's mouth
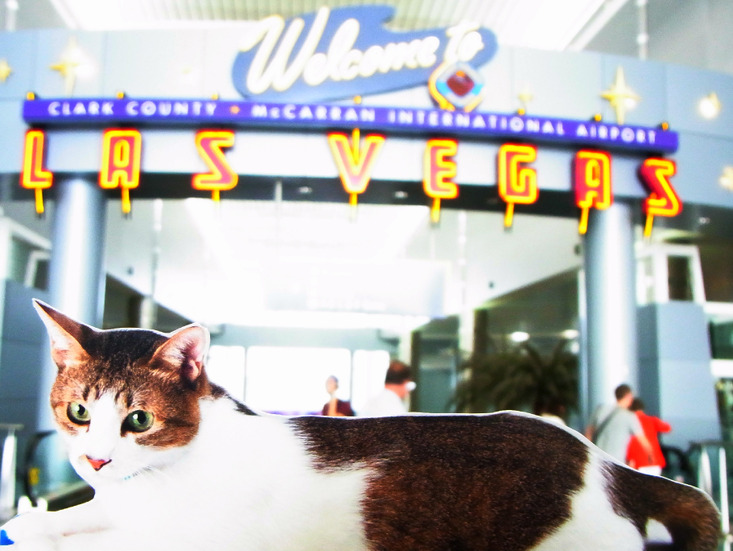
<point>105,469</point>
<point>97,464</point>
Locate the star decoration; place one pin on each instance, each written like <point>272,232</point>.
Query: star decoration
<point>726,178</point>
<point>620,96</point>
<point>5,70</point>
<point>69,64</point>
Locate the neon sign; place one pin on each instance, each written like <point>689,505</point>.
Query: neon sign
<point>121,151</point>
<point>220,177</point>
<point>354,161</point>
<point>592,182</point>
<point>663,199</point>
<point>33,175</point>
<point>517,183</point>
<point>439,169</point>
<point>325,55</point>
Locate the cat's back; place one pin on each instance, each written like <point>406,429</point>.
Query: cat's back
<point>436,478</point>
<point>503,482</point>
<point>491,440</point>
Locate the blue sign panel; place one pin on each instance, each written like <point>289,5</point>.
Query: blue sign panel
<point>395,120</point>
<point>347,52</point>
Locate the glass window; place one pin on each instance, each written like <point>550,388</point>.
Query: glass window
<point>28,263</point>
<point>225,367</point>
<point>679,277</point>
<point>292,380</point>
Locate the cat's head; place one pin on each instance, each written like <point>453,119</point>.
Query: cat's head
<point>126,400</point>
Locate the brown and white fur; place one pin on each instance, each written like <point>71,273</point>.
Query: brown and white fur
<point>211,474</point>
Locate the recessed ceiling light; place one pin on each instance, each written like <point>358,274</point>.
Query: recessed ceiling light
<point>519,336</point>
<point>709,107</point>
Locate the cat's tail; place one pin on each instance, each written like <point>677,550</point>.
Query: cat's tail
<point>689,514</point>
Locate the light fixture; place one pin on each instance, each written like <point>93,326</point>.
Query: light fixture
<point>525,96</point>
<point>726,178</point>
<point>519,336</point>
<point>709,106</point>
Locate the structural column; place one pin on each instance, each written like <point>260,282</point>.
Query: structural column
<point>610,297</point>
<point>76,270</point>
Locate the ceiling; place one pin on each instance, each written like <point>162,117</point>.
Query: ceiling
<point>223,266</point>
<point>530,23</point>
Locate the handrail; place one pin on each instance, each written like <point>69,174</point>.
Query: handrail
<point>705,479</point>
<point>27,474</point>
<point>7,470</point>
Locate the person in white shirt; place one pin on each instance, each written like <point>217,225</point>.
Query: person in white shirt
<point>391,400</point>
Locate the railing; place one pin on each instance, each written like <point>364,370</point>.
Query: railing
<point>712,453</point>
<point>7,470</point>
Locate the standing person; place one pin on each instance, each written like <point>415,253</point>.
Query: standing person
<point>335,407</point>
<point>612,426</point>
<point>636,456</point>
<point>391,401</point>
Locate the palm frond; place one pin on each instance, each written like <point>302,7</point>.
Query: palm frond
<point>519,378</point>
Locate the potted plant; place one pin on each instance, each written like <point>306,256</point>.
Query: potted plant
<point>519,378</point>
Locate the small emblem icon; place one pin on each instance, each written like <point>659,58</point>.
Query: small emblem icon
<point>456,86</point>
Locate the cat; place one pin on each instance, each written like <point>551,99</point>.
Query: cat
<point>177,464</point>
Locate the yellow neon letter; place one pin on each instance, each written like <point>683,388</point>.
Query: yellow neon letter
<point>220,177</point>
<point>34,176</point>
<point>354,162</point>
<point>121,152</point>
<point>439,169</point>
<point>663,199</point>
<point>592,181</point>
<point>517,184</point>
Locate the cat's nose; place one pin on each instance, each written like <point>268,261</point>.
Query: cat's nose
<point>97,463</point>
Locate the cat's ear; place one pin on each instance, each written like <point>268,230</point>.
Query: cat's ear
<point>185,351</point>
<point>66,336</point>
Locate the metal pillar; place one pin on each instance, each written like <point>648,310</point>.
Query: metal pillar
<point>7,472</point>
<point>611,339</point>
<point>76,276</point>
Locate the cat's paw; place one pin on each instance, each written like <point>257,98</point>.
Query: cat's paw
<point>31,526</point>
<point>33,544</point>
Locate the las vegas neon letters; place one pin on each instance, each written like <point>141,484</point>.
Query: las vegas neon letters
<point>516,179</point>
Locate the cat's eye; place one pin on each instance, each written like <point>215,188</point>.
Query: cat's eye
<point>138,421</point>
<point>78,413</point>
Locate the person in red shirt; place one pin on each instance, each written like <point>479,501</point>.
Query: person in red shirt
<point>636,456</point>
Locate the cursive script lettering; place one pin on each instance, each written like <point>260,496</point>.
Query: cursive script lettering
<point>276,64</point>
